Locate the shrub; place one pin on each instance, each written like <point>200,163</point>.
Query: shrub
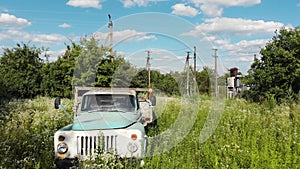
<point>27,133</point>
<point>249,135</point>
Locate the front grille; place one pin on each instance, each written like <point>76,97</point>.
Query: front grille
<point>87,145</point>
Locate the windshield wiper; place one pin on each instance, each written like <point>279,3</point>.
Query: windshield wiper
<point>101,109</point>
<point>116,110</point>
<point>107,110</point>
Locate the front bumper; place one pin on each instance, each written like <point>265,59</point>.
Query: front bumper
<point>66,163</point>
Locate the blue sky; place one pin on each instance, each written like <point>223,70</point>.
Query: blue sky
<point>169,29</point>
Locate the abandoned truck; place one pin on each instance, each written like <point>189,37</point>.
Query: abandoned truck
<point>112,119</point>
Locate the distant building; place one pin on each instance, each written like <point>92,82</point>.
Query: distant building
<point>234,85</point>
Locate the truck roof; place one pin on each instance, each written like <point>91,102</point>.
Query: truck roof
<point>80,91</point>
<point>112,91</point>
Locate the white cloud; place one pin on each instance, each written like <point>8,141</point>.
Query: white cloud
<point>7,20</point>
<point>183,10</point>
<point>42,39</point>
<point>4,36</point>
<point>211,10</point>
<point>2,49</point>
<point>48,38</point>
<point>125,36</point>
<point>247,59</point>
<point>146,37</point>
<point>257,43</point>
<point>241,51</point>
<point>55,54</point>
<point>298,4</point>
<point>215,40</point>
<point>159,51</point>
<point>164,69</point>
<point>170,58</point>
<point>215,7</point>
<point>235,26</point>
<point>244,47</point>
<point>85,3</point>
<point>132,3</point>
<point>64,25</point>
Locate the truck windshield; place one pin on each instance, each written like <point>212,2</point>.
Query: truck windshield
<point>109,102</point>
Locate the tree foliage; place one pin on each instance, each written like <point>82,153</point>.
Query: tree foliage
<point>26,75</point>
<point>123,73</point>
<point>169,85</point>
<point>205,79</point>
<point>87,62</point>
<point>278,70</point>
<point>58,75</point>
<point>20,72</point>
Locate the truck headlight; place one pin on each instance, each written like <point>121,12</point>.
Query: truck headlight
<point>61,138</point>
<point>132,147</point>
<point>62,148</point>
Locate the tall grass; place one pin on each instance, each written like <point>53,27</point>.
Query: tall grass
<point>249,135</point>
<point>27,130</point>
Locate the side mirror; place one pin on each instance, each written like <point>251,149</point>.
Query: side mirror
<point>153,100</point>
<point>57,103</point>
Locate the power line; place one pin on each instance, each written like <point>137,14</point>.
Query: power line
<point>225,69</point>
<point>195,71</point>
<point>216,71</point>
<point>174,50</point>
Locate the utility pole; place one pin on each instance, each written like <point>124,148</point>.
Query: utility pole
<point>216,71</point>
<point>47,57</point>
<point>148,68</point>
<point>195,73</point>
<point>187,67</point>
<point>110,26</point>
<point>68,50</point>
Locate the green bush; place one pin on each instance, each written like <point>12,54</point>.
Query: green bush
<point>27,132</point>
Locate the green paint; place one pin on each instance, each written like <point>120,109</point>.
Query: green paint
<point>104,120</point>
<point>66,128</point>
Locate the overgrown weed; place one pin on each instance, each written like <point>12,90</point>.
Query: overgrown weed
<point>249,135</point>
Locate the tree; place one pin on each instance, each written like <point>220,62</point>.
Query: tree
<point>278,70</point>
<point>116,73</point>
<point>156,78</point>
<point>97,66</point>
<point>88,61</point>
<point>140,79</point>
<point>123,73</point>
<point>58,75</point>
<point>204,80</point>
<point>20,71</point>
<point>169,84</point>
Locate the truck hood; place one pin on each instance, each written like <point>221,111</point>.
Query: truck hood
<point>104,120</point>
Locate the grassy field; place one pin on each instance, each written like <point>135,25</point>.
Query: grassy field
<point>249,135</point>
